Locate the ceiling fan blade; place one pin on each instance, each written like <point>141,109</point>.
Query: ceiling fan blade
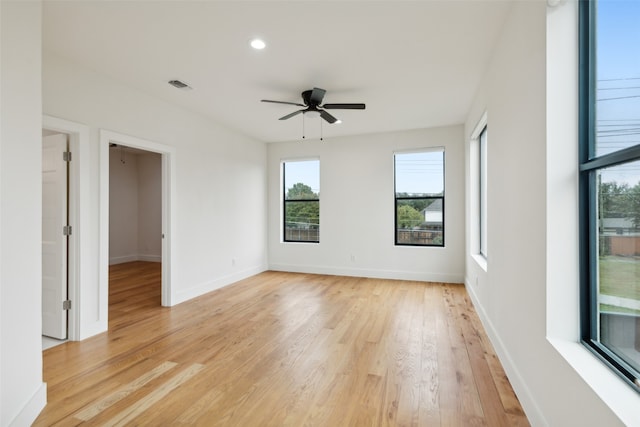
<point>288,116</point>
<point>282,102</point>
<point>344,106</point>
<point>317,95</point>
<point>328,117</point>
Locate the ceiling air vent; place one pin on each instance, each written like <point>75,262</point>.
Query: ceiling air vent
<point>179,84</point>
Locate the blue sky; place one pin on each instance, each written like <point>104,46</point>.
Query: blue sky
<point>420,172</point>
<point>618,74</point>
<point>618,83</point>
<point>305,171</point>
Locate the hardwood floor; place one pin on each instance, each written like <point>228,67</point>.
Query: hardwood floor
<point>282,349</point>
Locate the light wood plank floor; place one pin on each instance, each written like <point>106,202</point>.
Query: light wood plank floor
<point>282,349</point>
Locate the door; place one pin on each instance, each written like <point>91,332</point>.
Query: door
<point>54,236</point>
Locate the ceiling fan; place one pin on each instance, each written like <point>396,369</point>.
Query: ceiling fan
<point>312,100</point>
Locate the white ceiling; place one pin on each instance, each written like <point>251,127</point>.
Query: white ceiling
<point>415,64</point>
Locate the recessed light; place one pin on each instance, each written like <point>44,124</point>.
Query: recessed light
<point>258,44</point>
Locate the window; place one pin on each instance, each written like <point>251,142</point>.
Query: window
<point>482,180</point>
<point>301,195</point>
<point>419,198</point>
<point>610,183</point>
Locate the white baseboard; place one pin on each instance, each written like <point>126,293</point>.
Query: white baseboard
<point>134,257</point>
<point>528,402</point>
<point>32,408</point>
<point>122,259</point>
<point>372,273</point>
<point>203,288</point>
<point>93,329</point>
<point>150,258</point>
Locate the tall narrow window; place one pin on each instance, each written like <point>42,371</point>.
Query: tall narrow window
<point>419,198</point>
<point>482,179</point>
<point>610,183</point>
<point>301,204</point>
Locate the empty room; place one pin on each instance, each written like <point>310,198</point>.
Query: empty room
<point>330,213</point>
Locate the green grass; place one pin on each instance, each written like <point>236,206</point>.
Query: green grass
<point>620,276</point>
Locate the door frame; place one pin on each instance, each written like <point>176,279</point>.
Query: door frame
<point>168,189</point>
<point>79,214</point>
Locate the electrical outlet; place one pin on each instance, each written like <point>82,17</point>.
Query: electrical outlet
<point>353,258</point>
<point>233,262</point>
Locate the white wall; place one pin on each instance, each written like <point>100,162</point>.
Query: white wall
<point>22,392</point>
<point>220,180</point>
<point>1,143</point>
<point>123,208</point>
<point>532,219</point>
<point>149,207</point>
<point>135,210</point>
<point>357,208</point>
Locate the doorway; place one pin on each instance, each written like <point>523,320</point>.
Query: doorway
<point>135,224</point>
<point>88,212</point>
<point>121,149</point>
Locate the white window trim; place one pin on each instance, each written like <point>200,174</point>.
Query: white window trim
<point>474,168</point>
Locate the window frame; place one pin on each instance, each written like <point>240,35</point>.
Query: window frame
<point>285,201</point>
<point>476,194</point>
<point>396,198</point>
<point>482,191</point>
<point>589,165</point>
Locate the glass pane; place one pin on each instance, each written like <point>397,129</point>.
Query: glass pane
<point>302,221</point>
<point>618,75</point>
<point>420,174</point>
<point>618,208</point>
<point>419,222</point>
<point>302,180</point>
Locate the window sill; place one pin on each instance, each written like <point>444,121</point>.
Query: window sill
<point>613,391</point>
<point>481,261</point>
<point>293,242</point>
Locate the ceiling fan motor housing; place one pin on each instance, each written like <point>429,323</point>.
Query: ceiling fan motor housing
<point>312,100</point>
<point>306,97</point>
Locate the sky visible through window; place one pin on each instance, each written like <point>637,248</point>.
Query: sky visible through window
<point>420,173</point>
<point>618,83</point>
<point>304,171</point>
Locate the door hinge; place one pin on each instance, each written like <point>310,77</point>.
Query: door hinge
<point>66,230</point>
<point>66,305</point>
<point>66,156</point>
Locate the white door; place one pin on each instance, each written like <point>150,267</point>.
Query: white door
<point>54,242</point>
